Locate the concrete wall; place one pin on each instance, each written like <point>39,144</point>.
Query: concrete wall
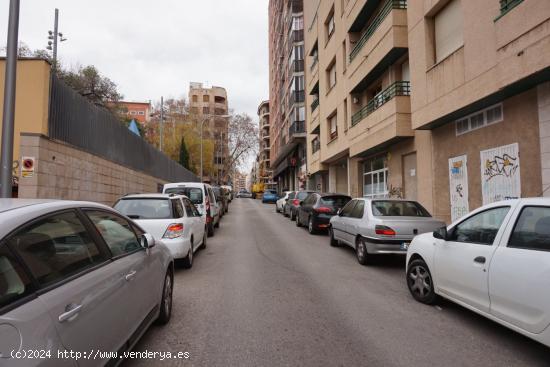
<point>543,92</point>
<point>65,172</point>
<point>31,105</point>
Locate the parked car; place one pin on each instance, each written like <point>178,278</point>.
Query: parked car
<point>221,199</point>
<point>270,196</point>
<point>280,203</point>
<point>495,261</point>
<point>286,206</point>
<point>380,226</point>
<point>172,218</point>
<point>202,196</point>
<point>293,204</point>
<point>229,190</point>
<point>244,194</point>
<point>77,276</point>
<point>317,209</point>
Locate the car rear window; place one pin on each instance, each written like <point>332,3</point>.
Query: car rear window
<point>193,193</point>
<point>142,208</point>
<point>335,201</point>
<point>302,195</point>
<point>391,208</point>
<point>269,192</point>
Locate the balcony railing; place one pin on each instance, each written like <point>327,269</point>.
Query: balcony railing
<point>378,19</point>
<point>400,88</point>
<point>314,105</point>
<point>296,66</point>
<point>297,97</point>
<point>297,127</point>
<point>507,5</point>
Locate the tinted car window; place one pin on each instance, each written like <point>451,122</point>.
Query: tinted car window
<point>193,193</point>
<point>291,195</point>
<point>391,208</point>
<point>116,232</point>
<point>272,192</point>
<point>145,208</point>
<point>358,210</point>
<point>56,247</point>
<point>335,201</point>
<point>302,195</point>
<point>481,228</point>
<point>190,209</point>
<point>532,230</point>
<point>346,211</point>
<point>14,282</point>
<point>178,208</point>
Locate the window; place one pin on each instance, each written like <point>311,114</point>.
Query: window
<point>116,231</point>
<point>532,230</point>
<point>448,30</point>
<point>331,75</point>
<point>206,98</point>
<point>333,127</point>
<point>144,208</point>
<point>14,282</point>
<point>345,114</point>
<point>133,112</point>
<point>297,23</point>
<point>375,177</point>
<point>178,208</point>
<point>56,248</point>
<point>347,210</point>
<point>481,228</point>
<point>344,56</point>
<point>193,193</point>
<point>195,98</point>
<point>329,25</point>
<point>205,110</point>
<point>392,208</point>
<point>477,120</point>
<point>358,210</point>
<point>141,113</point>
<point>190,208</point>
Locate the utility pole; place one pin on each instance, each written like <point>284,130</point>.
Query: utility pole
<point>8,119</point>
<point>53,38</point>
<point>161,121</point>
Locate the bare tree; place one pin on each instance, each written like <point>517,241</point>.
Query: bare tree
<point>242,140</point>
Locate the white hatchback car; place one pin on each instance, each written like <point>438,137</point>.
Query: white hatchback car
<point>494,261</point>
<point>170,218</point>
<point>280,203</point>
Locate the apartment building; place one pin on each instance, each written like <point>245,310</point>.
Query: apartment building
<point>428,100</point>
<point>265,171</point>
<point>210,104</point>
<point>287,94</point>
<point>139,111</point>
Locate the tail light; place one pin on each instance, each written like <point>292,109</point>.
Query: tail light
<point>174,230</point>
<point>384,230</point>
<point>295,202</point>
<point>323,209</point>
<point>207,207</point>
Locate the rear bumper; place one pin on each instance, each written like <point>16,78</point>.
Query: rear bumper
<point>385,246</point>
<point>321,222</point>
<point>178,247</point>
<point>269,200</point>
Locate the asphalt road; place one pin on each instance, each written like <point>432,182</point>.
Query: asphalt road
<point>266,293</point>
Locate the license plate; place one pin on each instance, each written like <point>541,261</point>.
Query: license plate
<point>405,245</point>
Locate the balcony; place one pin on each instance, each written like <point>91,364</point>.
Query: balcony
<point>265,137</point>
<point>315,146</point>
<point>297,66</point>
<point>314,105</point>
<point>400,88</point>
<point>507,5</point>
<point>298,96</point>
<point>375,24</point>
<point>297,130</point>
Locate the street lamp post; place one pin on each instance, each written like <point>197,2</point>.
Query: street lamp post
<point>8,120</point>
<point>52,36</point>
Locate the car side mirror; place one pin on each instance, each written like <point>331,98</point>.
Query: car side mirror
<point>147,241</point>
<point>441,233</point>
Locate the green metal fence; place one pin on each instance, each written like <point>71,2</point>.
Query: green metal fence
<point>400,88</point>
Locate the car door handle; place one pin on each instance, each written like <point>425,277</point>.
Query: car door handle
<point>71,311</point>
<point>130,275</point>
<point>480,259</point>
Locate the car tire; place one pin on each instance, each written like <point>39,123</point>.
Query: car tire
<point>284,213</point>
<point>166,301</point>
<point>333,241</point>
<point>217,225</point>
<point>187,262</point>
<point>292,215</point>
<point>276,209</point>
<point>204,236</point>
<point>311,226</point>
<point>420,282</point>
<point>361,252</point>
<point>210,230</point>
<point>298,223</point>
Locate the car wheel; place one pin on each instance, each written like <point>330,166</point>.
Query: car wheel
<point>361,252</point>
<point>297,217</point>
<point>217,225</point>
<point>419,281</point>
<point>188,260</point>
<point>210,230</point>
<point>204,236</point>
<point>292,215</point>
<point>166,301</point>
<point>310,227</point>
<point>284,212</point>
<point>276,208</point>
<point>333,241</point>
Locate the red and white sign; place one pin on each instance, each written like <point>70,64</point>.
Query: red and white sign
<point>27,167</point>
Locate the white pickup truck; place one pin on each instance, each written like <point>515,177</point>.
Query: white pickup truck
<point>494,261</point>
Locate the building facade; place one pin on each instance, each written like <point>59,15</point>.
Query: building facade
<point>210,104</point>
<point>139,111</point>
<point>428,100</point>
<point>287,94</point>
<point>265,171</point>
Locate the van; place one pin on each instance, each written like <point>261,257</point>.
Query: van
<point>202,196</point>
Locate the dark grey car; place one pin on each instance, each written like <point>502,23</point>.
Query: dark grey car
<point>292,204</point>
<point>380,226</point>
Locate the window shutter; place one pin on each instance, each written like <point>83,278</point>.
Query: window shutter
<point>448,30</point>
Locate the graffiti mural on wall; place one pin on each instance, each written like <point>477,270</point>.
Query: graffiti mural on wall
<point>500,173</point>
<point>395,192</point>
<point>458,186</point>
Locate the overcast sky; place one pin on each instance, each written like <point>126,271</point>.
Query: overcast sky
<point>153,48</point>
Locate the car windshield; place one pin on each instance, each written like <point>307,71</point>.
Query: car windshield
<point>335,201</point>
<point>145,208</point>
<point>392,208</point>
<point>193,193</point>
<point>302,195</point>
<point>271,192</point>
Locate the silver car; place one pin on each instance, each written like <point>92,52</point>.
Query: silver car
<point>380,226</point>
<point>76,279</point>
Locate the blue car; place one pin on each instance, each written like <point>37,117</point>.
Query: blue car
<point>270,196</point>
